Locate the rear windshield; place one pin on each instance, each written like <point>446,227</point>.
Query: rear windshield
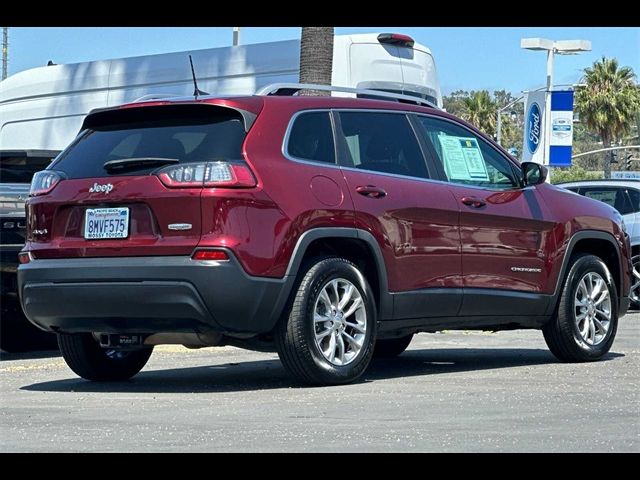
<point>188,135</point>
<point>20,168</point>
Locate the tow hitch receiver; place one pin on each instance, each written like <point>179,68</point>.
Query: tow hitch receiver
<point>115,340</point>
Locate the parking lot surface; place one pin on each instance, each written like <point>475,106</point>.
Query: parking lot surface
<point>452,391</point>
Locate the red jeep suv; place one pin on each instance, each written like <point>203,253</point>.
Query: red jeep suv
<point>330,229</point>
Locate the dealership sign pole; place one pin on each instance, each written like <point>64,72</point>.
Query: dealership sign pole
<point>548,129</point>
<point>560,132</point>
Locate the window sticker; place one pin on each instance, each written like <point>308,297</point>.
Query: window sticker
<point>463,159</point>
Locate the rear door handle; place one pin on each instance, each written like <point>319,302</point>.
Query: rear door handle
<point>371,191</point>
<point>473,202</point>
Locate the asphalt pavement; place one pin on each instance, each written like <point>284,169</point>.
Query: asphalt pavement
<point>452,391</point>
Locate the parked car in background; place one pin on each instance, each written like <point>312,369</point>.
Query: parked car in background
<point>17,168</point>
<point>328,229</point>
<point>624,196</point>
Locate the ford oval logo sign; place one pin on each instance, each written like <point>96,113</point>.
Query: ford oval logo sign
<point>534,128</point>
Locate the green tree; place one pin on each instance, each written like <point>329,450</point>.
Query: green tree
<point>454,103</point>
<point>480,110</point>
<point>608,103</point>
<point>316,57</point>
<point>573,174</point>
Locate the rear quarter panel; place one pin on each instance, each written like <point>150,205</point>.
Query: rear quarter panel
<point>262,226</point>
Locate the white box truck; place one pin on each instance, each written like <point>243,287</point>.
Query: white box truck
<point>41,109</point>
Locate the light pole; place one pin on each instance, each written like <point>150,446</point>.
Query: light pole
<point>561,47</point>
<point>236,36</point>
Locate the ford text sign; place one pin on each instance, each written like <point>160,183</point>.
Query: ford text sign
<point>534,127</point>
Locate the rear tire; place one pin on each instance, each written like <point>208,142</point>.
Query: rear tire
<point>328,335</point>
<point>392,347</point>
<point>89,360</point>
<point>585,323</point>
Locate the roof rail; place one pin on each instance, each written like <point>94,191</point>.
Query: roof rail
<point>155,96</point>
<point>292,88</point>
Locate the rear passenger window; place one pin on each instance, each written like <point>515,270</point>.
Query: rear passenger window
<point>382,142</point>
<point>311,138</point>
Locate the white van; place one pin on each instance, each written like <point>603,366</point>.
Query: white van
<point>42,109</point>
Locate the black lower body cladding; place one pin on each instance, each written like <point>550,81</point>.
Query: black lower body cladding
<point>147,295</point>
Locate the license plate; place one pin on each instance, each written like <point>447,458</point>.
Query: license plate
<point>100,223</point>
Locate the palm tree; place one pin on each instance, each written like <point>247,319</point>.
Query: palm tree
<point>608,102</point>
<point>479,109</point>
<point>316,57</point>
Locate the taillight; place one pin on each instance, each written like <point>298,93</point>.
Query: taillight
<point>396,39</point>
<point>24,257</point>
<point>43,182</point>
<point>209,174</point>
<point>218,255</point>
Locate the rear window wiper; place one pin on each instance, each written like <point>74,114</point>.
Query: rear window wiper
<point>135,163</point>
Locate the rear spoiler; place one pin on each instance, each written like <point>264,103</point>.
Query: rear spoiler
<point>101,116</point>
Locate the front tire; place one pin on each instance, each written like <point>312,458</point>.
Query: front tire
<point>585,323</point>
<point>89,360</point>
<point>328,336</point>
<point>392,347</point>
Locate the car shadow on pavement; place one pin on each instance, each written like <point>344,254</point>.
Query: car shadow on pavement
<point>32,355</point>
<point>270,374</point>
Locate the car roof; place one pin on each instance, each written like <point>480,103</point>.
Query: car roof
<point>612,182</point>
<point>255,103</point>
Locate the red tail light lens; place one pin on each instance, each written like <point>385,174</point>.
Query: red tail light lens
<point>396,39</point>
<point>209,174</point>
<point>24,257</point>
<point>218,255</point>
<point>43,182</point>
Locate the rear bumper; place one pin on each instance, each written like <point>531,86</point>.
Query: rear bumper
<point>147,295</point>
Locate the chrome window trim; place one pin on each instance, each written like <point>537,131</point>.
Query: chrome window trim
<point>287,134</point>
<point>285,143</point>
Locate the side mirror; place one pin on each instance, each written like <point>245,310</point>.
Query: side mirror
<point>534,173</point>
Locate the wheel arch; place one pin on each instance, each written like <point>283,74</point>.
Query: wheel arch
<point>595,242</point>
<point>356,245</point>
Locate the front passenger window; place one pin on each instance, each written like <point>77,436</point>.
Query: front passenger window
<point>467,158</point>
